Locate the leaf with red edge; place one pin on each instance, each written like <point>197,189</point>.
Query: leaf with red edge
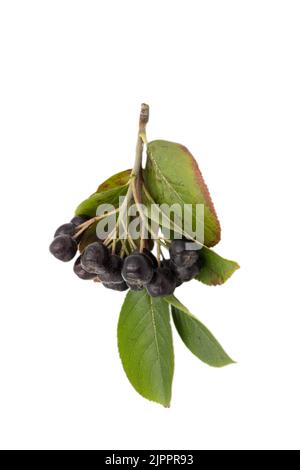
<point>107,193</point>
<point>173,177</point>
<point>119,179</point>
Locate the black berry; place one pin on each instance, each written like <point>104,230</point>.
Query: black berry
<point>137,269</point>
<point>184,274</point>
<point>65,229</point>
<point>182,255</point>
<point>162,283</point>
<point>79,219</point>
<point>111,277</point>
<point>170,265</point>
<point>151,257</point>
<point>112,271</point>
<point>95,258</point>
<point>82,273</point>
<point>63,247</point>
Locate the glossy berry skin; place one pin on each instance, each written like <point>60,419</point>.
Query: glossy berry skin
<point>137,270</point>
<point>63,247</point>
<point>181,255</point>
<point>65,229</point>
<point>80,272</point>
<point>79,219</point>
<point>162,283</point>
<point>111,277</point>
<point>95,258</point>
<point>167,263</point>
<point>112,271</point>
<point>184,274</point>
<point>150,256</point>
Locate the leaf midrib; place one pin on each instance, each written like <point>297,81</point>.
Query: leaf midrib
<point>178,306</point>
<point>169,184</point>
<point>156,343</point>
<point>163,177</point>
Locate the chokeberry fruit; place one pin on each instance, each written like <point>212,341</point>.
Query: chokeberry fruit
<point>95,258</point>
<point>63,247</point>
<point>112,271</point>
<point>79,219</point>
<point>185,274</point>
<point>181,255</point>
<point>167,263</point>
<point>150,255</point>
<point>137,269</point>
<point>65,229</point>
<point>162,283</point>
<point>80,272</point>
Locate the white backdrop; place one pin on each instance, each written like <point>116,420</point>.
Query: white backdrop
<point>223,79</point>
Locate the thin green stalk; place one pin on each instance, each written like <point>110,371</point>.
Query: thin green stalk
<point>82,227</point>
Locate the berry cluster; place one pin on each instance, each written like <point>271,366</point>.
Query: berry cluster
<point>65,244</point>
<point>138,270</point>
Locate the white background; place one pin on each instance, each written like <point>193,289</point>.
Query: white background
<point>221,77</point>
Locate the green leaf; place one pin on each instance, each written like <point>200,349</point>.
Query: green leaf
<point>119,179</point>
<point>110,196</point>
<point>196,336</point>
<point>215,270</point>
<point>173,176</point>
<point>107,193</point>
<point>145,345</point>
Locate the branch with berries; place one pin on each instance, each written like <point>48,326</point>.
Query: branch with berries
<point>153,260</point>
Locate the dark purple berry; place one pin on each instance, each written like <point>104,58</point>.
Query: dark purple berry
<point>137,269</point>
<point>112,271</point>
<point>63,247</point>
<point>151,256</point>
<point>162,283</point>
<point>177,247</point>
<point>167,263</point>
<point>111,276</point>
<point>182,254</point>
<point>79,219</point>
<point>82,273</point>
<point>65,229</point>
<point>184,274</point>
<point>95,258</point>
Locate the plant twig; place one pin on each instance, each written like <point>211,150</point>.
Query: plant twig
<point>158,251</point>
<point>82,227</point>
<point>135,178</point>
<point>146,227</point>
<point>136,170</point>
